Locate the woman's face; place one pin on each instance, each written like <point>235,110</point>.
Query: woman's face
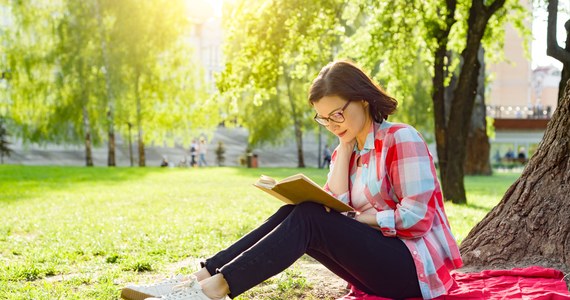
<point>355,115</point>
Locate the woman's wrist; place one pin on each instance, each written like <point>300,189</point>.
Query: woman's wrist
<point>346,148</point>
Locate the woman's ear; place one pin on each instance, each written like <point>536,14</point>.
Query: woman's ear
<point>364,103</point>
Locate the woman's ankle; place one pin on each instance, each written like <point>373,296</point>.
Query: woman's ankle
<point>202,274</point>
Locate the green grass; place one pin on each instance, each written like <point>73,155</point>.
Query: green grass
<point>83,233</point>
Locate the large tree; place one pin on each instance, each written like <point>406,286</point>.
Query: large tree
<point>531,224</point>
<point>453,146</point>
<point>397,33</point>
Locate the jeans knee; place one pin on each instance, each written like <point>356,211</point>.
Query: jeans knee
<point>308,208</point>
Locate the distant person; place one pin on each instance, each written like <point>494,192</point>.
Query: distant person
<point>193,152</point>
<point>326,157</point>
<point>202,150</point>
<point>397,242</point>
<point>510,155</point>
<point>164,162</point>
<point>522,155</point>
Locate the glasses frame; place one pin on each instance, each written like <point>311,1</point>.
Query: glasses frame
<point>328,119</point>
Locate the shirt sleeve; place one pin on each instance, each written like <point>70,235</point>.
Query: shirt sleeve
<point>412,174</point>
<point>344,197</point>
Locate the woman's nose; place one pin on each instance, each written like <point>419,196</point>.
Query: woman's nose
<point>332,126</point>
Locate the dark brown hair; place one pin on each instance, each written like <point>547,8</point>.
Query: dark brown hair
<point>346,80</point>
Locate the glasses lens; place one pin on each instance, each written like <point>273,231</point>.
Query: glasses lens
<point>337,117</point>
<point>323,122</point>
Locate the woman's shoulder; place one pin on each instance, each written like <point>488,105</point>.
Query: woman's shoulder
<point>390,129</point>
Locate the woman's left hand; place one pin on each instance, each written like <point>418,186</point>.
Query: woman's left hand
<point>367,219</point>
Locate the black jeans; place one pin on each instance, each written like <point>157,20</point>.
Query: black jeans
<point>354,251</point>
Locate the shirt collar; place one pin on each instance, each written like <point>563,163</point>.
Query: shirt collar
<point>373,133</point>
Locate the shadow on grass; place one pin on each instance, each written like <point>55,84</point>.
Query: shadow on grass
<point>22,182</point>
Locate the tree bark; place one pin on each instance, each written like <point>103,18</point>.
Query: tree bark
<point>111,161</point>
<point>478,147</point>
<point>438,80</point>
<point>531,224</point>
<point>87,133</point>
<point>142,159</point>
<point>463,101</point>
<point>296,122</point>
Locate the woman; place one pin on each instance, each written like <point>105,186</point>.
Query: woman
<point>398,244</point>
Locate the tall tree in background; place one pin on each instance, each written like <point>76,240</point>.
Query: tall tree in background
<point>29,61</point>
<point>80,85</point>
<point>274,49</point>
<point>398,34</point>
<point>553,49</point>
<point>531,224</point>
<point>4,143</point>
<point>484,28</point>
<point>161,95</point>
<point>464,100</point>
<point>107,71</point>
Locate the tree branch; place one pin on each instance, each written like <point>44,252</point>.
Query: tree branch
<point>552,47</point>
<point>491,9</point>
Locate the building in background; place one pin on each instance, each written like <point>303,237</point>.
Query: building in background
<point>520,99</point>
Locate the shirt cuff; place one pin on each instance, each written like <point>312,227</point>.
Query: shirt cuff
<point>386,222</point>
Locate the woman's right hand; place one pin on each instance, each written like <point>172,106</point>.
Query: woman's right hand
<point>337,181</point>
<point>346,148</point>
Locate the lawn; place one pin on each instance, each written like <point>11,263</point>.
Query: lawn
<point>83,233</point>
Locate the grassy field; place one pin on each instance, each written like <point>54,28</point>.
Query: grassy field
<point>83,233</point>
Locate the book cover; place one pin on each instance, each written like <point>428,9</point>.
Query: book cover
<point>297,189</point>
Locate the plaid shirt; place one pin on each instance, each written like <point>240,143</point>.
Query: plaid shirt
<point>401,184</point>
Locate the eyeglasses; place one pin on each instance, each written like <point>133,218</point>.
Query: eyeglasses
<point>337,117</point>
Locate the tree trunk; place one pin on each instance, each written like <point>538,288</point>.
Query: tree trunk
<point>87,132</point>
<point>438,80</point>
<point>111,161</point>
<point>296,122</point>
<point>299,140</point>
<point>553,49</point>
<point>531,224</point>
<point>477,160</point>
<point>463,101</point>
<point>142,159</point>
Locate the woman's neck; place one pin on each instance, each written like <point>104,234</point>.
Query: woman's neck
<point>361,137</point>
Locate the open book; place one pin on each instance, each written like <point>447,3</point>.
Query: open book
<point>299,188</point>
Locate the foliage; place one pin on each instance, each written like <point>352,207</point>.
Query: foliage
<point>274,49</point>
<point>61,79</point>
<point>80,229</point>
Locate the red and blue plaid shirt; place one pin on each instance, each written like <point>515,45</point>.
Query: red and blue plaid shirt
<point>401,184</point>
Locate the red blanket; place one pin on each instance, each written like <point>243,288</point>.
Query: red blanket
<point>518,283</point>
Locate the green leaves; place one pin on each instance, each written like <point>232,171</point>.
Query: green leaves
<point>58,90</point>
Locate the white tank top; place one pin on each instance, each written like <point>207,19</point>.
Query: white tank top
<point>357,196</point>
